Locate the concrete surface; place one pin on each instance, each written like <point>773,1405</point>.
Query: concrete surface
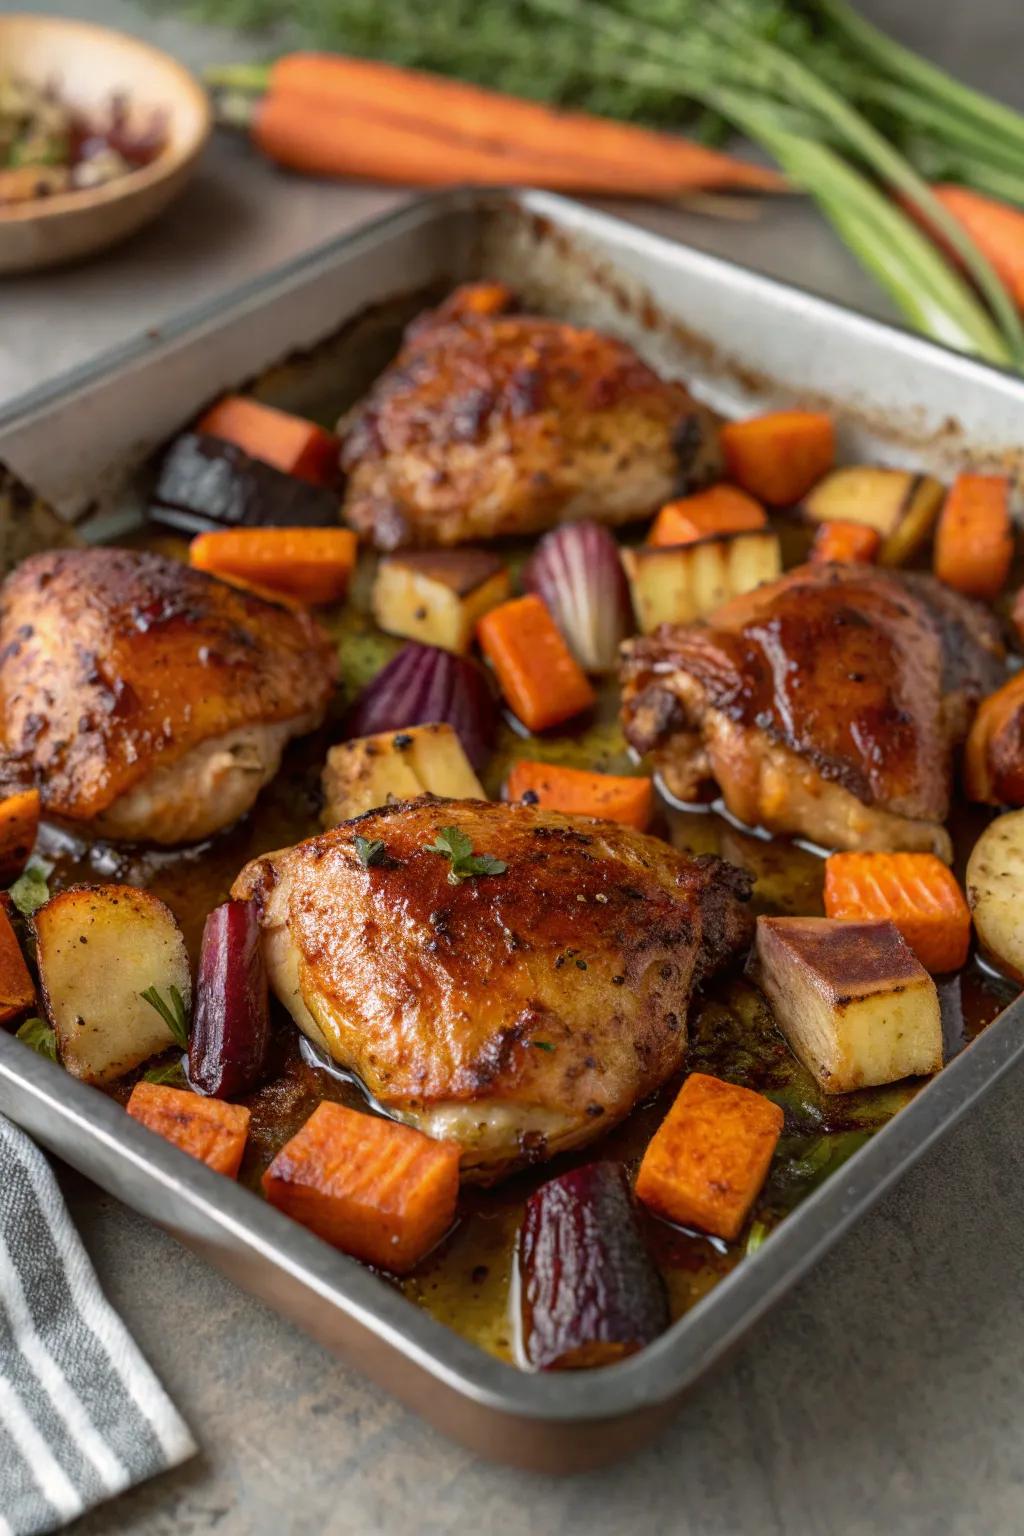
<point>886,1394</point>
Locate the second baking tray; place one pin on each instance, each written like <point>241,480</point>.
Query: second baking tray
<point>744,343</point>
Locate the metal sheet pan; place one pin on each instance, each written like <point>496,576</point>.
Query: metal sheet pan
<point>744,342</point>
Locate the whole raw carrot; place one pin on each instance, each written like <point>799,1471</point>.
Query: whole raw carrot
<point>498,123</point>
<point>996,228</point>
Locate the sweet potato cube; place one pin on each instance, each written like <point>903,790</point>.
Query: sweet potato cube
<point>208,1129</point>
<point>710,1156</point>
<point>383,1192</point>
<point>538,673</point>
<point>720,509</point>
<point>778,457</point>
<point>17,993</point>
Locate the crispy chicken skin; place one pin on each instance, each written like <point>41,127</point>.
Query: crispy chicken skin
<point>826,704</point>
<point>518,1013</point>
<point>151,701</point>
<point>492,423</point>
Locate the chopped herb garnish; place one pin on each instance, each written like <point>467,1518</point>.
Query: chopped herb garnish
<point>169,1072</point>
<point>756,1236</point>
<point>452,843</point>
<point>38,1034</point>
<point>369,850</point>
<point>30,891</point>
<point>173,1013</point>
<point>543,1045</point>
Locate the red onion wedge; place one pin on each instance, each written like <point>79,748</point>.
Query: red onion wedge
<point>578,572</point>
<point>589,1291</point>
<point>230,1033</point>
<point>423,685</point>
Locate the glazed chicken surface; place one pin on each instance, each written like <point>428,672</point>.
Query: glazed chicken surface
<point>519,1013</point>
<point>826,704</point>
<point>151,702</point>
<point>491,423</point>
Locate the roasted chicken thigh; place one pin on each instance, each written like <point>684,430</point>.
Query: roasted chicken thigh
<point>519,1012</point>
<point>826,704</point>
<point>150,701</point>
<point>492,423</point>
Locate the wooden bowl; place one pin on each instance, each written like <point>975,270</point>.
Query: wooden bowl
<point>89,65</point>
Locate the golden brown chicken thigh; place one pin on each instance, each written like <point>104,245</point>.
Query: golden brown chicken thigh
<point>150,701</point>
<point>826,704</point>
<point>492,423</point>
<point>518,1013</point>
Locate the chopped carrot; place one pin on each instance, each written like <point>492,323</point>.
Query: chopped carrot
<point>538,674</point>
<point>384,1193</point>
<point>710,1155</point>
<point>208,1129</point>
<point>578,793</point>
<point>720,509</point>
<point>17,992</point>
<point>329,114</point>
<point>290,443</point>
<point>845,544</point>
<point>914,891</point>
<point>994,751</point>
<point>312,565</point>
<point>974,539</point>
<point>778,457</point>
<point>19,823</point>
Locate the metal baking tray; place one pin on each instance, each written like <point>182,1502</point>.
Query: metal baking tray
<point>744,342</point>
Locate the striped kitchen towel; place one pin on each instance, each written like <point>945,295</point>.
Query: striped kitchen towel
<point>82,1416</point>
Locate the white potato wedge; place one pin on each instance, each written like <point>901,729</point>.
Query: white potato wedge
<point>678,583</point>
<point>370,771</point>
<point>856,1005</point>
<point>99,948</point>
<point>437,595</point>
<point>995,892</point>
<point>902,507</point>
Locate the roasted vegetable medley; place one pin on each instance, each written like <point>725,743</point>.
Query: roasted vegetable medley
<point>631,830</point>
<point>47,145</point>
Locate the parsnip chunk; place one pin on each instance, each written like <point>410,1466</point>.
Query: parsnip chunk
<point>436,596</point>
<point>678,583</point>
<point>398,765</point>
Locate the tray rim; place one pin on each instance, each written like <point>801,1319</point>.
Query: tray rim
<point>665,1369</point>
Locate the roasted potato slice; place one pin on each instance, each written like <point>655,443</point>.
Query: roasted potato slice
<point>856,1005</point>
<point>902,507</point>
<point>437,595</point>
<point>398,765</point>
<point>98,949</point>
<point>995,892</point>
<point>676,584</point>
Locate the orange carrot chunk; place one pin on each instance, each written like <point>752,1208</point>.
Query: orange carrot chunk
<point>538,674</point>
<point>579,793</point>
<point>845,543</point>
<point>290,443</point>
<point>974,539</point>
<point>19,823</point>
<point>914,891</point>
<point>778,457</point>
<point>720,509</point>
<point>17,992</point>
<point>312,565</point>
<point>710,1156</point>
<point>208,1129</point>
<point>384,1193</point>
<point>994,750</point>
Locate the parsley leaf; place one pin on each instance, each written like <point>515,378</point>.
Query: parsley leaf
<point>756,1236</point>
<point>30,891</point>
<point>452,843</point>
<point>38,1034</point>
<point>173,1013</point>
<point>170,1072</point>
<point>369,851</point>
<point>542,1045</point>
